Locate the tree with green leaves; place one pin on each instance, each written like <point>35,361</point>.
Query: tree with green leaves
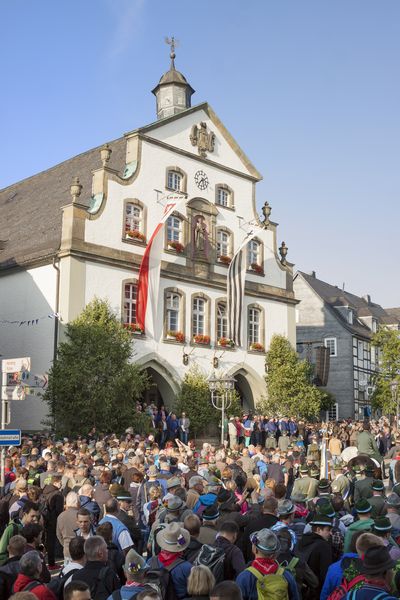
<point>289,388</point>
<point>195,400</point>
<point>92,382</point>
<point>387,341</point>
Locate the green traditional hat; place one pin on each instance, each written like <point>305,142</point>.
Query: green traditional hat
<point>116,489</point>
<point>363,506</point>
<point>378,485</point>
<point>325,510</point>
<point>314,470</point>
<point>381,525</point>
<point>303,469</point>
<point>321,520</point>
<point>356,469</point>
<point>369,471</point>
<point>396,488</point>
<point>324,484</point>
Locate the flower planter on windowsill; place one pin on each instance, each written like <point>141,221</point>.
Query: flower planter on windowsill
<point>226,343</point>
<point>137,236</point>
<point>177,247</point>
<point>256,347</point>
<point>255,268</point>
<point>175,336</point>
<point>134,328</point>
<point>201,340</point>
<point>224,260</point>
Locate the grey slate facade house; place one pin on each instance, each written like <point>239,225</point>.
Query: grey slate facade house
<point>345,323</point>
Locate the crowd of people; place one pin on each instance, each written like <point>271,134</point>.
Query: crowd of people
<point>280,510</point>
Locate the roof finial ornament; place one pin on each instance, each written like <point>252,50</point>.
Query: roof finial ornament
<point>173,43</point>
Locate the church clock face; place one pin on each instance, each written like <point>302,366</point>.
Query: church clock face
<point>201,180</point>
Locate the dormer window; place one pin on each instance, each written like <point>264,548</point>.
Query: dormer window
<point>374,326</point>
<point>350,317</point>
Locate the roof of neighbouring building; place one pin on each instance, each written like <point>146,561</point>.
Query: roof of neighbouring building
<point>363,307</point>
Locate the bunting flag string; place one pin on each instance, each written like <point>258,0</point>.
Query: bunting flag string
<point>29,322</point>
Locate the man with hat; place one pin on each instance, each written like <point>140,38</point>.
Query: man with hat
<point>392,507</point>
<point>209,529</point>
<point>173,541</point>
<point>125,507</point>
<point>266,548</point>
<point>305,484</point>
<point>366,443</point>
<point>363,487</point>
<point>364,522</point>
<point>340,484</point>
<point>316,550</point>
<point>378,570</point>
<point>382,527</point>
<point>286,510</point>
<point>377,501</point>
<point>209,498</point>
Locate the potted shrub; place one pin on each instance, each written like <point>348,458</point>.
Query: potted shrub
<point>177,246</point>
<point>202,339</point>
<point>257,268</point>
<point>226,342</point>
<point>257,347</point>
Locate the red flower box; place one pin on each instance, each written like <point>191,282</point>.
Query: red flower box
<point>257,347</point>
<point>226,343</point>
<point>224,259</point>
<point>257,268</point>
<point>178,335</point>
<point>177,246</point>
<point>134,328</point>
<point>202,339</point>
<point>134,234</point>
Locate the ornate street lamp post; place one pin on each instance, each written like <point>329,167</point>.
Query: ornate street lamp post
<point>221,397</point>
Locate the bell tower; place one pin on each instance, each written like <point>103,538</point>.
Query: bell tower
<point>173,93</point>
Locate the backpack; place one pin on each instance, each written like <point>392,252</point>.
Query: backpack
<point>57,584</point>
<point>214,559</point>
<point>159,578</point>
<point>347,586</point>
<point>271,586</point>
<point>30,586</point>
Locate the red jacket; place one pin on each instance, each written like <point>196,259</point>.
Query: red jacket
<point>41,591</point>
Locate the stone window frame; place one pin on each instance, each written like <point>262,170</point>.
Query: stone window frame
<point>255,305</point>
<point>182,313</point>
<point>231,242</point>
<point>184,232</point>
<point>227,188</point>
<point>143,229</point>
<point>129,280</point>
<point>218,301</point>
<point>334,339</point>
<point>207,316</point>
<point>260,256</point>
<point>182,173</point>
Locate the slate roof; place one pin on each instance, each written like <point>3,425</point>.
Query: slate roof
<point>362,307</point>
<point>30,210</point>
<point>394,312</point>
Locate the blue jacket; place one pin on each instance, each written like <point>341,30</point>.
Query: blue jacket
<point>128,591</point>
<point>205,500</point>
<point>117,526</point>
<point>248,584</point>
<point>91,506</point>
<point>334,576</point>
<point>180,575</point>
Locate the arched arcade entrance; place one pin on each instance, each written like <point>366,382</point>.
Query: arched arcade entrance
<point>164,383</point>
<point>249,385</point>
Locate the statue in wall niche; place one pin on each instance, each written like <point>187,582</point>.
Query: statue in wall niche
<point>200,238</point>
<point>203,139</point>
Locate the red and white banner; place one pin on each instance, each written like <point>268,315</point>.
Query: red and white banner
<point>149,272</point>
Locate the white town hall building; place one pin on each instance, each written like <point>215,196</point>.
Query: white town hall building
<point>65,241</point>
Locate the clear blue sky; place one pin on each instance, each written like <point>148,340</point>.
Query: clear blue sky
<point>310,89</point>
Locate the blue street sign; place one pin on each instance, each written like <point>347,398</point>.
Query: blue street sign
<point>10,437</point>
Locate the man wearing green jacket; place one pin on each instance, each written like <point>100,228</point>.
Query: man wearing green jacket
<point>366,443</point>
<point>364,522</point>
<point>29,514</point>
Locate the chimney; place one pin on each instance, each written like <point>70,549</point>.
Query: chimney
<point>367,298</point>
<point>313,274</point>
